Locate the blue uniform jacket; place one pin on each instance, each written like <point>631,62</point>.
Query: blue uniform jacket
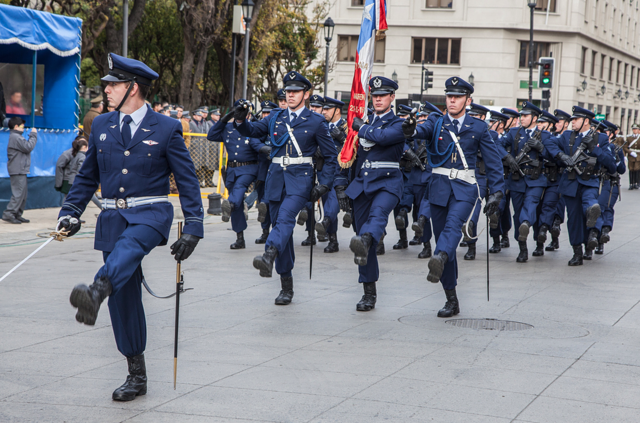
<point>342,175</point>
<point>508,142</point>
<point>239,149</point>
<point>389,141</point>
<point>311,131</point>
<point>473,137</point>
<point>141,169</point>
<point>417,176</point>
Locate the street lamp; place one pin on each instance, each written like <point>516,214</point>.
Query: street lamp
<point>472,79</point>
<point>626,94</point>
<point>618,94</point>
<point>247,11</point>
<point>583,86</point>
<point>329,26</point>
<point>603,90</point>
<point>394,76</point>
<point>532,6</point>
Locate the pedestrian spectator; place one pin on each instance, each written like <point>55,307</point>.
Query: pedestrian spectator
<point>215,116</point>
<point>96,108</point>
<point>19,154</point>
<point>166,111</point>
<point>156,106</point>
<point>15,104</point>
<point>203,153</point>
<point>185,124</point>
<point>69,164</point>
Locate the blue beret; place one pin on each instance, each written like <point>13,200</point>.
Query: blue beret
<point>330,103</point>
<point>429,108</point>
<point>457,86</point>
<point>281,94</point>
<point>548,117</point>
<point>561,114</point>
<point>510,112</point>
<point>498,116</point>
<point>268,106</point>
<point>379,85</point>
<point>476,109</point>
<point>529,108</point>
<point>403,110</point>
<point>293,81</point>
<point>316,100</point>
<point>581,112</point>
<point>123,69</point>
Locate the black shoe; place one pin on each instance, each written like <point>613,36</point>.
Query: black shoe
<point>555,228</point>
<point>333,246</point>
<point>264,263</point>
<point>588,254</point>
<point>360,246</point>
<point>347,220</point>
<point>402,242</point>
<point>322,227</point>
<point>11,219</point>
<point>227,208</point>
<point>505,241</point>
<point>599,249</point>
<point>592,241</point>
<point>576,260</point>
<point>605,237</point>
<point>554,244</point>
<point>524,252</point>
<point>400,220</point>
<point>415,241</point>
<point>380,248</point>
<point>263,237</point>
<point>452,306</point>
<point>324,238</point>
<point>523,231</point>
<point>87,299</point>
<point>286,294</point>
<point>542,235</point>
<point>136,383</point>
<point>302,217</point>
<point>418,226</point>
<point>593,213</point>
<point>539,251</point>
<point>263,209</point>
<point>368,300</point>
<point>471,253</point>
<point>239,244</point>
<point>426,251</point>
<point>311,239</point>
<point>467,230</point>
<point>436,266</point>
<point>495,248</point>
<point>23,220</point>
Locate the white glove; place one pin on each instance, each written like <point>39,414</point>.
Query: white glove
<point>633,154</point>
<point>366,143</point>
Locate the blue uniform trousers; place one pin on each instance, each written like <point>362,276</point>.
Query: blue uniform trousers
<point>122,267</point>
<point>482,184</point>
<point>283,214</point>
<point>560,209</point>
<point>504,221</point>
<point>267,220</point>
<point>549,206</point>
<point>237,188</point>
<point>607,205</point>
<point>425,210</point>
<point>576,213</point>
<point>331,210</point>
<point>525,206</point>
<point>371,214</point>
<point>310,225</point>
<point>447,228</point>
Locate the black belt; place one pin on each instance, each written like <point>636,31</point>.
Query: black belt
<point>530,171</point>
<point>238,164</point>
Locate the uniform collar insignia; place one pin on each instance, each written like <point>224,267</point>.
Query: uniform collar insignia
<point>113,126</point>
<point>145,130</point>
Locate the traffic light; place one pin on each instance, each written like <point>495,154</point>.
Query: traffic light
<point>545,79</point>
<point>427,79</point>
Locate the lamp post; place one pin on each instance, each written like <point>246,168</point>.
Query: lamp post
<point>329,26</point>
<point>603,90</point>
<point>627,94</point>
<point>247,11</point>
<point>583,86</point>
<point>472,79</point>
<point>394,76</point>
<point>532,6</point>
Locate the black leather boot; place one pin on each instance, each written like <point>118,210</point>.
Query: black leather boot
<point>592,241</point>
<point>605,237</point>
<point>452,306</point>
<point>302,217</point>
<point>322,227</point>
<point>263,237</point>
<point>415,241</point>
<point>495,248</point>
<point>471,253</point>
<point>418,226</point>
<point>576,260</point>
<point>555,228</point>
<point>311,239</point>
<point>262,212</point>
<point>554,244</point>
<point>539,251</point>
<point>264,263</point>
<point>402,242</point>
<point>136,383</point>
<point>360,246</point>
<point>542,234</point>
<point>286,294</point>
<point>400,220</point>
<point>588,254</point>
<point>426,251</point>
<point>523,231</point>
<point>380,248</point>
<point>505,241</point>
<point>494,220</point>
<point>333,246</point>
<point>524,252</point>
<point>227,208</point>
<point>368,300</point>
<point>347,220</point>
<point>599,249</point>
<point>87,299</point>
<point>436,266</point>
<point>239,244</point>
<point>323,238</point>
<point>592,215</point>
<point>467,230</point>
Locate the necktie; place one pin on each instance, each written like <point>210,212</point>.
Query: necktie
<point>126,130</point>
<point>456,122</point>
<point>293,117</point>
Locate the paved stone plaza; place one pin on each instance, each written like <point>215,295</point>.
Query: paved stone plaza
<point>243,359</point>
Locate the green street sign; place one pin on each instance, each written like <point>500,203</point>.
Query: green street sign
<point>600,118</point>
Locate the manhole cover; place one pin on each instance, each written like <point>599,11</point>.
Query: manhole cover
<point>489,324</point>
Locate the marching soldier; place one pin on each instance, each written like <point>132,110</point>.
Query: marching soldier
<point>295,133</point>
<point>242,170</point>
<point>505,214</point>
<point>131,153</point>
<point>497,131</point>
<point>453,143</point>
<point>282,99</point>
<point>632,152</point>
<point>263,166</point>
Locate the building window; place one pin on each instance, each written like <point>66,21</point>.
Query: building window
<point>542,5</point>
<point>624,77</point>
<point>583,61</point>
<point>631,75</point>
<point>357,2</point>
<point>611,63</point>
<point>604,17</point>
<point>348,45</point>
<point>602,62</point>
<point>638,79</point>
<point>586,10</point>
<point>539,50</point>
<point>595,15</point>
<point>440,4</point>
<point>618,71</point>
<point>594,56</point>
<point>440,51</point>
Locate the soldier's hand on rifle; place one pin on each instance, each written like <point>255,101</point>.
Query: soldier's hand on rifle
<point>565,159</point>
<point>343,200</point>
<point>511,163</point>
<point>182,248</point>
<point>318,191</point>
<point>535,144</point>
<point>409,126</point>
<point>410,156</point>
<point>241,111</point>
<point>69,224</point>
<point>357,123</point>
<point>266,150</point>
<point>337,135</point>
<point>493,203</point>
<point>591,142</point>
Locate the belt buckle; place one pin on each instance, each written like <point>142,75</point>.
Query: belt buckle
<point>367,164</point>
<point>121,203</point>
<point>453,174</point>
<point>285,161</point>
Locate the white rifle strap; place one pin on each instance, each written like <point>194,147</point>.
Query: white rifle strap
<point>455,141</point>
<point>634,141</point>
<point>293,140</point>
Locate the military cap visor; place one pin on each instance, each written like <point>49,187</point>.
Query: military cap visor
<point>457,86</point>
<point>123,69</point>
<point>379,85</point>
<point>510,113</point>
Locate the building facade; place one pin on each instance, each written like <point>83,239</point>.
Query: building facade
<point>594,42</point>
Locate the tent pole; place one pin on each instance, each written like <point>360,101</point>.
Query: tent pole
<point>33,88</point>
<point>125,28</point>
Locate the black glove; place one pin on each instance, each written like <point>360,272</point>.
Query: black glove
<point>266,150</point>
<point>241,111</point>
<point>318,158</point>
<point>591,142</point>
<point>411,157</point>
<point>409,127</point>
<point>226,118</point>
<point>511,163</point>
<point>565,159</point>
<point>337,135</point>
<point>343,200</point>
<point>69,224</point>
<point>182,248</point>
<point>535,144</point>
<point>357,124</point>
<point>318,191</point>
<point>493,203</point>
<point>58,188</point>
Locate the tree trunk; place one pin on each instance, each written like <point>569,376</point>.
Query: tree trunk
<point>196,92</point>
<point>184,96</point>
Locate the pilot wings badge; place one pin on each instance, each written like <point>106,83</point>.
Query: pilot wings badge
<point>149,142</point>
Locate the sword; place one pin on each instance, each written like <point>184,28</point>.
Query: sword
<point>179,285</point>
<point>57,235</point>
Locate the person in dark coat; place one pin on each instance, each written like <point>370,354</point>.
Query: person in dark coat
<point>19,154</point>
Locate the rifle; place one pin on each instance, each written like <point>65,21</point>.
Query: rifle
<point>579,155</point>
<point>537,135</point>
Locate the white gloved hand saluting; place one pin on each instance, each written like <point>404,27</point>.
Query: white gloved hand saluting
<point>633,154</point>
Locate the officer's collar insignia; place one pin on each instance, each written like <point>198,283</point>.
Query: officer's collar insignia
<point>113,126</point>
<point>149,142</point>
<point>145,130</point>
<point>292,75</point>
<point>454,80</point>
<point>377,82</point>
<point>103,137</point>
<point>110,62</point>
